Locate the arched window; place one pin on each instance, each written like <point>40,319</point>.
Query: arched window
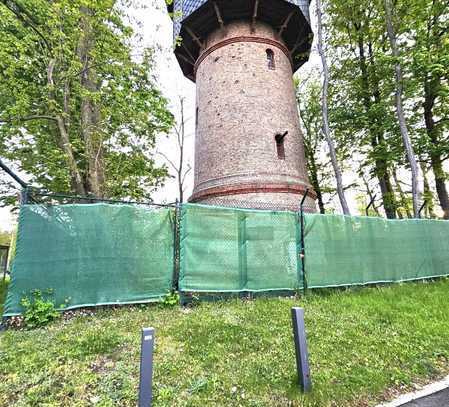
<point>280,145</point>
<point>270,58</point>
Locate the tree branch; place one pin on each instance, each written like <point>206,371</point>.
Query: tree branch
<point>169,161</point>
<point>185,174</point>
<point>28,118</point>
<point>26,18</point>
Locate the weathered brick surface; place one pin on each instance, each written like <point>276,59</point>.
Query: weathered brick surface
<point>241,106</point>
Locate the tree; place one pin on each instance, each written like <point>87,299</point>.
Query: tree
<point>78,113</point>
<point>364,85</point>
<point>324,105</point>
<point>429,71</point>
<point>321,176</point>
<point>400,109</point>
<point>181,168</point>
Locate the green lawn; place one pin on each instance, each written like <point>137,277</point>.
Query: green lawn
<point>363,344</point>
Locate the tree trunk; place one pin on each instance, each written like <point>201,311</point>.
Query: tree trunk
<point>313,176</point>
<point>371,196</point>
<point>400,111</point>
<point>377,139</point>
<point>62,136</point>
<point>181,138</point>
<point>435,158</point>
<point>90,112</point>
<point>428,194</point>
<point>402,196</point>
<point>386,188</point>
<point>326,129</point>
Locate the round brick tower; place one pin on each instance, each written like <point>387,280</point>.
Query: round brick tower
<point>248,147</point>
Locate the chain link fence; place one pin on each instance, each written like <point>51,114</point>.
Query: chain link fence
<point>262,205</point>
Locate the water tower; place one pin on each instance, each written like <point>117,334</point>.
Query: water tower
<point>242,55</point>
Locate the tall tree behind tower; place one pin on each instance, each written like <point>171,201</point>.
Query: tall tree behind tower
<point>389,12</point>
<point>324,104</point>
<point>429,71</point>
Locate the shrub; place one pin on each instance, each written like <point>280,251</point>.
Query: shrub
<point>39,311</point>
<point>171,299</point>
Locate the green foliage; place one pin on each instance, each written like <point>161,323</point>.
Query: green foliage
<point>362,103</point>
<point>171,299</point>
<point>364,344</point>
<point>5,237</point>
<point>38,310</point>
<point>321,175</point>
<point>78,107</point>
<point>3,291</point>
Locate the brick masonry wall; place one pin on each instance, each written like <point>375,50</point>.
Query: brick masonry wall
<point>241,105</point>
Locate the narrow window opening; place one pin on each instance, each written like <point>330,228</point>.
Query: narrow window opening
<point>280,148</point>
<point>196,119</point>
<point>270,59</point>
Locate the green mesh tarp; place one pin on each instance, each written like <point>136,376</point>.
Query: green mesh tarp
<point>232,250</point>
<point>342,250</point>
<point>113,254</point>
<point>92,254</point>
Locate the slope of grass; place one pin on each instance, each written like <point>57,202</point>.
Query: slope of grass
<point>362,343</point>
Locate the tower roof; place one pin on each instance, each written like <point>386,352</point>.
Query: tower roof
<point>193,20</point>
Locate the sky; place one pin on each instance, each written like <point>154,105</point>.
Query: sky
<point>156,30</point>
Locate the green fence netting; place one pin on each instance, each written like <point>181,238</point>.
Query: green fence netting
<point>92,254</point>
<point>114,254</point>
<point>234,250</point>
<point>342,250</point>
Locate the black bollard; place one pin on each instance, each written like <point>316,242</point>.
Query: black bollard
<point>302,357</point>
<point>146,368</point>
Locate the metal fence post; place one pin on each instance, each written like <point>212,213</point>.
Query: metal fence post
<point>302,357</point>
<point>421,208</point>
<point>176,247</point>
<point>303,252</point>
<point>146,368</point>
<point>24,195</point>
<point>371,203</point>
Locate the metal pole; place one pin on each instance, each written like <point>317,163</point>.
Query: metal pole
<point>303,252</point>
<point>176,253</point>
<point>92,198</point>
<point>10,172</point>
<point>302,356</point>
<point>369,205</point>
<point>24,195</point>
<point>422,207</point>
<point>146,368</point>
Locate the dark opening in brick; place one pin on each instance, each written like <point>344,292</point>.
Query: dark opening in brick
<point>280,148</point>
<point>196,118</point>
<point>270,58</point>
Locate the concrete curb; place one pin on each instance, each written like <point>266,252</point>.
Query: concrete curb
<point>425,391</point>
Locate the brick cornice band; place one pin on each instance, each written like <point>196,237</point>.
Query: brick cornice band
<point>250,189</point>
<point>242,38</point>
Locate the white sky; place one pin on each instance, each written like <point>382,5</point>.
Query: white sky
<point>157,31</point>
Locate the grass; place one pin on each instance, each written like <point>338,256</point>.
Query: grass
<point>363,344</point>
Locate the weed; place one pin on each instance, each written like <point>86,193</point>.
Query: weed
<point>38,310</point>
<point>171,299</point>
